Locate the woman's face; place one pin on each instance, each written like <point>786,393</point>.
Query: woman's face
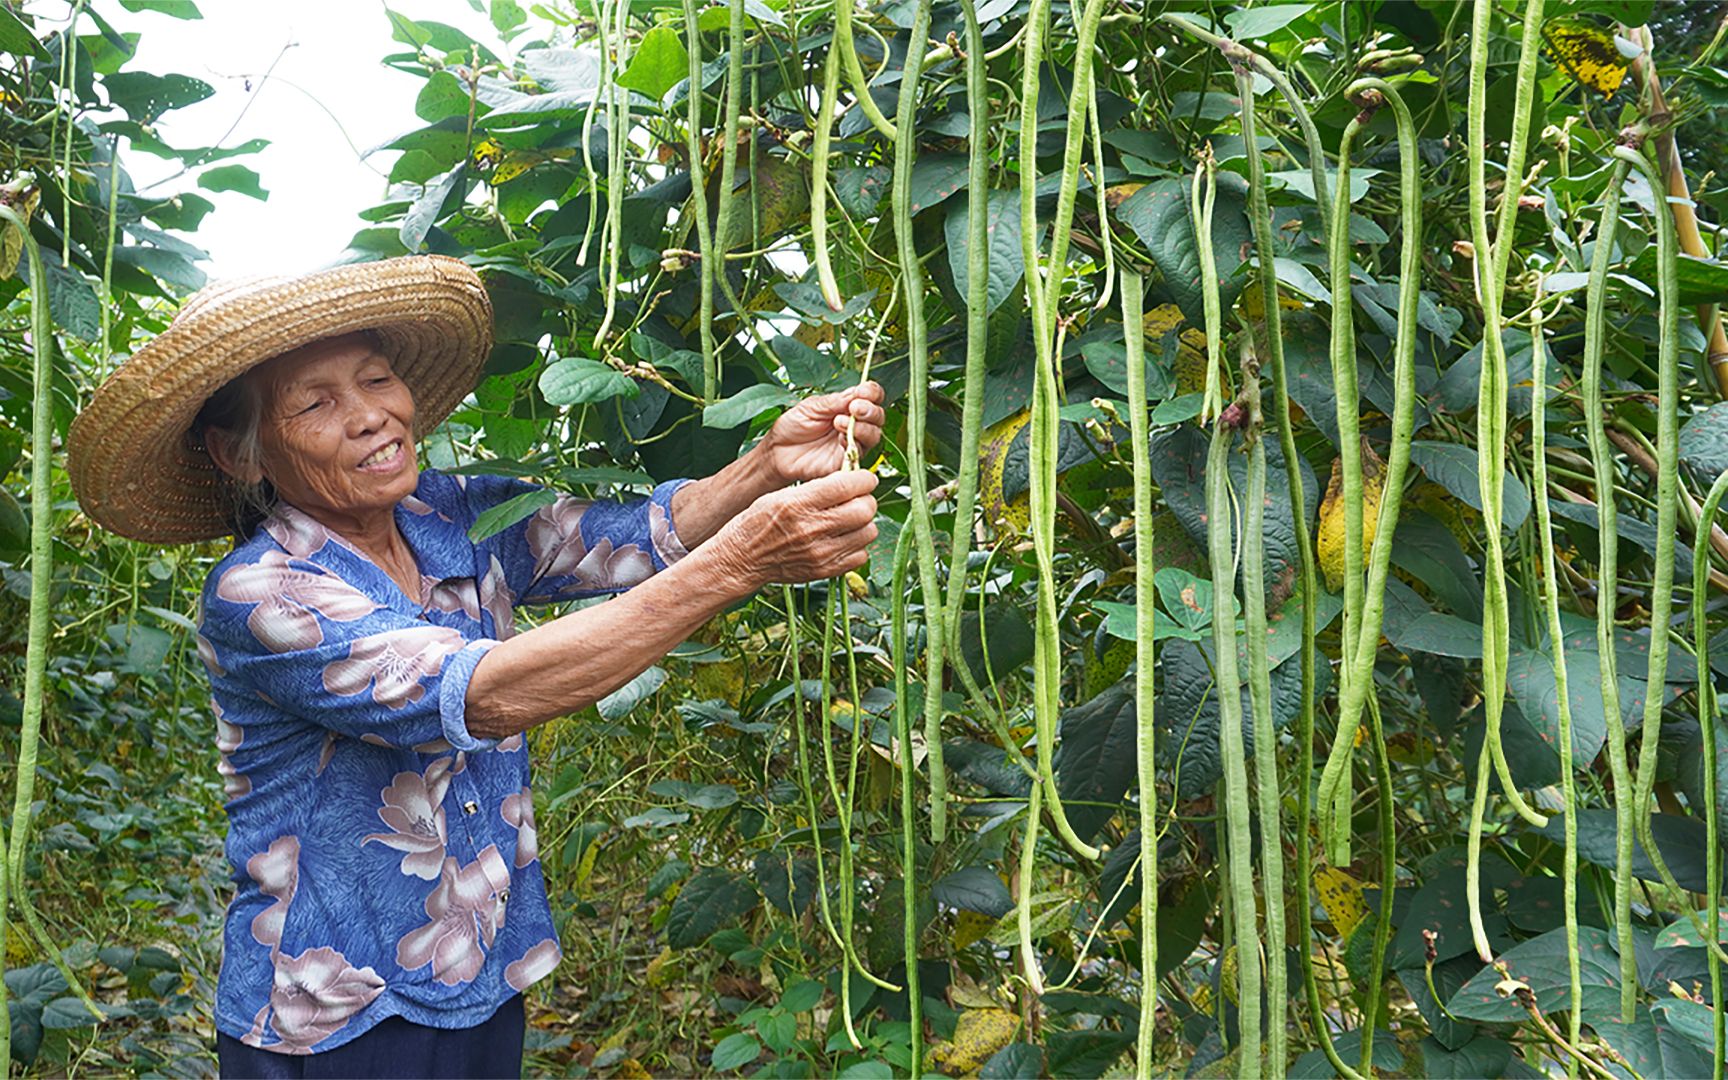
<point>337,430</point>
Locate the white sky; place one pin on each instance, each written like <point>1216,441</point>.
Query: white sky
<point>317,184</point>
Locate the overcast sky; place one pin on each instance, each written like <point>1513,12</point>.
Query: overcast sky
<point>317,183</point>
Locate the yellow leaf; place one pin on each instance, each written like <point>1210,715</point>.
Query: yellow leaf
<point>1331,541</point>
<point>1341,896</point>
<point>1160,321</point>
<point>1116,194</point>
<point>971,927</point>
<point>978,1034</point>
<point>856,585</point>
<point>630,1069</point>
<point>1591,54</point>
<point>1011,516</point>
<point>585,868</point>
<point>11,240</point>
<point>1191,362</point>
<point>1228,972</point>
<point>662,968</point>
<point>487,154</point>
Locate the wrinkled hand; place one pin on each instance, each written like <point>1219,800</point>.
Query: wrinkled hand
<point>818,530</point>
<point>809,439</point>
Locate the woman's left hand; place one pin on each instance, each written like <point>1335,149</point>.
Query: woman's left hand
<point>809,440</point>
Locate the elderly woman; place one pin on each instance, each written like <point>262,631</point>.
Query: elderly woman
<point>371,694</point>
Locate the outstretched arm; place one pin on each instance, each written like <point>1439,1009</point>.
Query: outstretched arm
<point>807,533</point>
<point>807,442</point>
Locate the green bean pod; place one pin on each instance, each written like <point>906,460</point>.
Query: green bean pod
<point>699,204</point>
<point>1267,789</point>
<point>1491,260</point>
<point>908,800</point>
<point>819,180</point>
<point>917,414</point>
<point>1607,573</point>
<point>1556,638</point>
<point>1221,516</point>
<point>1707,717</point>
<point>1362,634</point>
<point>1145,696</point>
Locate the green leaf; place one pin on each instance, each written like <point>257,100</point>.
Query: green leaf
<point>1301,181</point>
<point>1681,840</point>
<point>778,1030</point>
<point>71,299</point>
<point>1084,1054</point>
<point>145,96</point>
<point>735,1051</point>
<point>1704,443</point>
<point>709,902</point>
<point>934,178</point>
<point>430,206</point>
<point>18,39</point>
<point>67,1013</point>
<point>789,884</point>
<point>1095,760</point>
<point>1542,964</point>
<point>1681,934</point>
<point>1008,634</point>
<point>619,703</point>
<point>1264,20</point>
<point>1702,281</point>
<point>1689,1018</point>
<point>1314,1066</point>
<point>1438,634</point>
<point>806,299</point>
<point>975,888</point>
<point>179,9</point>
<point>1652,1048</point>
<point>860,188</point>
<point>443,96</point>
<point>805,366</point>
<point>233,178</point>
<point>1016,1061</point>
<point>802,996</point>
<point>1453,467</point>
<point>1429,552</point>
<point>1158,214</point>
<point>507,15</point>
<point>656,817</point>
<point>14,527</point>
<point>1483,1055</point>
<point>576,380</point>
<point>1007,263</point>
<point>1187,717</point>
<point>495,519</point>
<point>746,405</point>
<point>659,62</point>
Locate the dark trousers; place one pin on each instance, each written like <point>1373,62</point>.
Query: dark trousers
<point>394,1048</point>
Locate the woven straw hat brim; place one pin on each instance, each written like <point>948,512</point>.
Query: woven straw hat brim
<point>134,464</point>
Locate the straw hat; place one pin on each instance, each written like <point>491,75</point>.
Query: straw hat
<point>136,465</point>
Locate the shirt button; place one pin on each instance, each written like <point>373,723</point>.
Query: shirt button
<point>504,896</point>
<point>470,807</point>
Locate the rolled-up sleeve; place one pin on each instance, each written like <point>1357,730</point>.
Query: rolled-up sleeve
<point>302,638</point>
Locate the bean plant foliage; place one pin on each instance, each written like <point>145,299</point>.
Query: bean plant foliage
<point>1291,640</point>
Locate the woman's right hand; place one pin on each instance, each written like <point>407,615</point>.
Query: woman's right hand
<point>819,529</point>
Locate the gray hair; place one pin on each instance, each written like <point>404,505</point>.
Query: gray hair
<point>237,409</point>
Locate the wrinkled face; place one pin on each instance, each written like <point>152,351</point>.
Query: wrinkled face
<point>337,430</point>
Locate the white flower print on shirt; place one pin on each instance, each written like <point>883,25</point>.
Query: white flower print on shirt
<point>392,664</point>
<point>314,996</point>
<point>413,809</point>
<point>289,600</point>
<point>465,912</point>
<point>518,812</point>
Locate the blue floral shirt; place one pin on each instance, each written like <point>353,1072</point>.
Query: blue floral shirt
<point>384,857</point>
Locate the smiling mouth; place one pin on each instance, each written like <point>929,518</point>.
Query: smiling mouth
<point>383,456</point>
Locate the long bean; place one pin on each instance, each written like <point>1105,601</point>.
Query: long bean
<point>917,417</point>
<point>1261,220</point>
<point>1046,387</point>
<point>819,150</point>
<point>699,204</point>
<point>1362,634</point>
<point>618,168</point>
<point>1667,524</point>
<point>1707,717</point>
<point>908,808</point>
<point>1221,518</point>
<point>1145,695</point>
<point>1556,639</point>
<point>1491,260</point>
<point>1607,573</point>
<point>41,587</point>
<point>1260,698</point>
